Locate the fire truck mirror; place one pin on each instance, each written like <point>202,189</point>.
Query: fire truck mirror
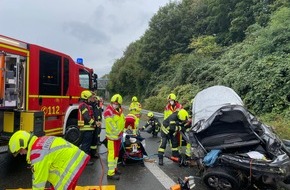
<point>95,77</point>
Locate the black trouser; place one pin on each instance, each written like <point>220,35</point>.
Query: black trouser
<point>153,129</point>
<point>171,137</point>
<point>87,137</point>
<point>96,136</point>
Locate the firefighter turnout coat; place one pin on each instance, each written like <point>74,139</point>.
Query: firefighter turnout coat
<point>86,120</point>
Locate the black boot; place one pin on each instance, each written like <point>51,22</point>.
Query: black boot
<point>105,143</point>
<point>94,153</point>
<point>113,177</point>
<point>160,161</point>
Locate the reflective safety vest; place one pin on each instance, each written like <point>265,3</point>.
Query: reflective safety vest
<point>169,109</point>
<point>135,108</point>
<point>86,117</point>
<point>55,160</point>
<point>115,122</point>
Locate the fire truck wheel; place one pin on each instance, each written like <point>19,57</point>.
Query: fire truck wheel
<point>72,133</point>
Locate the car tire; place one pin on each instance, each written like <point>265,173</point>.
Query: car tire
<point>221,178</point>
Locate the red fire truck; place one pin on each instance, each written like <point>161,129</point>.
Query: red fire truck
<point>39,89</point>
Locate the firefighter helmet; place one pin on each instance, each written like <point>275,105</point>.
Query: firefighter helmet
<point>171,97</point>
<point>86,94</point>
<point>150,114</point>
<point>134,99</point>
<point>19,140</point>
<point>98,98</point>
<point>182,114</point>
<point>117,98</point>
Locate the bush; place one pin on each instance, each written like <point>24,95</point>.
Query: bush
<point>279,123</point>
<point>155,103</point>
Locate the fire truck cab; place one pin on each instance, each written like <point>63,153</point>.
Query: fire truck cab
<point>39,89</point>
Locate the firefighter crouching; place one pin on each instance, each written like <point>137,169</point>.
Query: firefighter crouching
<point>152,126</point>
<point>86,121</point>
<point>171,125</point>
<point>52,159</point>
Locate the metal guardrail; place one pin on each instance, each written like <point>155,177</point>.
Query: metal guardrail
<point>156,114</point>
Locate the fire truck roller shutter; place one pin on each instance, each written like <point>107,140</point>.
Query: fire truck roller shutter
<point>32,121</point>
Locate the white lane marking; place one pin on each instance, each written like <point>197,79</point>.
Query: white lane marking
<point>164,179</point>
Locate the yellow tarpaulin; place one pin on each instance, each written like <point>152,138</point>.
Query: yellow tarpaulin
<point>106,187</point>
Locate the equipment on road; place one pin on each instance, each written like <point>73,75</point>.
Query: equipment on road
<point>105,187</point>
<point>182,185</point>
<point>188,183</point>
<point>132,148</point>
<point>39,89</point>
<point>182,160</point>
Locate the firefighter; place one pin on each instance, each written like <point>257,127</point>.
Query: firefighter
<point>172,106</point>
<point>135,108</point>
<point>97,109</point>
<point>171,125</point>
<point>115,123</point>
<point>188,151</point>
<point>86,121</point>
<point>131,123</point>
<point>52,159</point>
<point>152,125</point>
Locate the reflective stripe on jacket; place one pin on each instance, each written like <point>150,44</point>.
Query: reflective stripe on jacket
<point>86,117</point>
<point>55,160</point>
<point>115,122</point>
<point>172,124</point>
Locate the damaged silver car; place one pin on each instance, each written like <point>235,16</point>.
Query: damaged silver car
<point>233,150</point>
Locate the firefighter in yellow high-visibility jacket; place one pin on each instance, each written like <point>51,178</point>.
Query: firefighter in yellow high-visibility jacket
<point>52,159</point>
<point>115,123</point>
<point>135,108</point>
<point>172,106</point>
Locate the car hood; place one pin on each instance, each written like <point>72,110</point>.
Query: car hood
<point>209,102</point>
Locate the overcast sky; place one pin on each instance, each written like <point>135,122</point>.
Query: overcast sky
<point>96,30</point>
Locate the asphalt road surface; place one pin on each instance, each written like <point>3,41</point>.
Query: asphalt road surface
<point>16,174</point>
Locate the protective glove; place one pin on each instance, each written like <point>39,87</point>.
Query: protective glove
<point>99,123</point>
<point>182,129</point>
